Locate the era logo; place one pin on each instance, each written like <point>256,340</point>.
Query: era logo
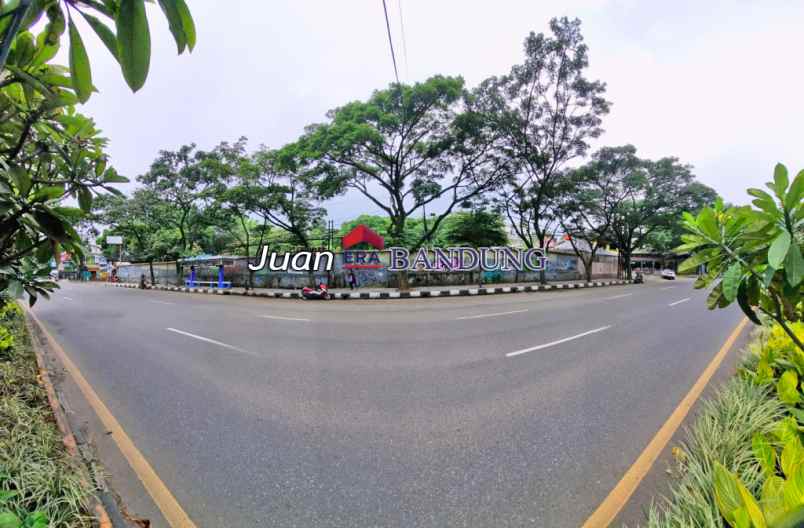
<point>362,259</point>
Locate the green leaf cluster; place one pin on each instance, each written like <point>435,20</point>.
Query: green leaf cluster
<point>51,155</point>
<point>753,254</point>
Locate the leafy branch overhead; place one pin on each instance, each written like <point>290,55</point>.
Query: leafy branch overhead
<point>122,26</point>
<point>753,254</point>
<point>49,153</point>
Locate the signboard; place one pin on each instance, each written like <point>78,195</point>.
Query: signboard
<point>114,240</point>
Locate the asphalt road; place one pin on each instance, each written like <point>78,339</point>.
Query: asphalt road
<point>471,411</point>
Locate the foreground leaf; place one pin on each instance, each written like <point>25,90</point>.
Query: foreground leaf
<point>133,42</point>
<point>79,65</point>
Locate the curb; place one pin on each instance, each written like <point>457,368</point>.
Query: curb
<point>452,292</point>
<point>68,438</point>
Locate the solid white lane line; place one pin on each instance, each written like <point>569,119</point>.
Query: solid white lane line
<point>679,302</point>
<point>490,315</point>
<point>162,302</point>
<point>208,340</point>
<point>539,347</point>
<point>284,318</point>
<point>617,296</point>
<point>666,288</point>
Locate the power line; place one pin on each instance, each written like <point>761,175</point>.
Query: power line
<point>390,41</point>
<point>404,41</point>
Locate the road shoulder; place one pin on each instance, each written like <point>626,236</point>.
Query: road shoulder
<point>656,483</point>
<point>123,495</point>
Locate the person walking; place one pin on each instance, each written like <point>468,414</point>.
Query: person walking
<point>352,279</point>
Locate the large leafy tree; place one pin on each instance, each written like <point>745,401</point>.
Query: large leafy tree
<point>140,219</point>
<point>48,152</point>
<point>283,195</point>
<point>753,254</point>
<point>188,180</point>
<point>655,196</point>
<point>546,110</point>
<point>591,197</point>
<point>405,148</point>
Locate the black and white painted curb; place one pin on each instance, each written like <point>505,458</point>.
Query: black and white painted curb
<point>452,292</point>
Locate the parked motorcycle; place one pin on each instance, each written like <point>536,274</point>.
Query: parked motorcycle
<point>320,292</point>
<point>638,278</point>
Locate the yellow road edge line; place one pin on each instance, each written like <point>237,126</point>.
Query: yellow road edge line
<point>618,497</point>
<point>164,499</point>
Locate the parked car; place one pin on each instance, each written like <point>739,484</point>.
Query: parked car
<point>668,274</point>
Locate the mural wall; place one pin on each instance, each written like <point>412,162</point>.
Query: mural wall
<point>560,267</point>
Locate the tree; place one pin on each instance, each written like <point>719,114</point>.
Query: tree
<point>49,152</point>
<point>753,254</point>
<point>476,228</point>
<point>546,110</point>
<point>284,196</point>
<point>655,197</point>
<point>140,219</point>
<point>692,198</point>
<point>405,148</point>
<point>592,195</point>
<point>188,180</point>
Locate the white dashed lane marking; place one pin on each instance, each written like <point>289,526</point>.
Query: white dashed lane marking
<point>552,343</point>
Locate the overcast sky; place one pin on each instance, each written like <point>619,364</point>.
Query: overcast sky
<point>717,84</point>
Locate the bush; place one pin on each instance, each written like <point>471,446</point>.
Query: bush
<point>39,483</point>
<point>745,444</point>
<point>721,433</point>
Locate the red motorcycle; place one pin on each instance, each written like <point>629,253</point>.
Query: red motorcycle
<point>321,292</point>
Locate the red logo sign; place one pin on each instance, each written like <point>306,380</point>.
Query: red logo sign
<point>362,233</point>
<point>359,259</point>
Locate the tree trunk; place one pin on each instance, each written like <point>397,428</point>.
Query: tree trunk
<point>627,264</point>
<point>151,269</point>
<point>404,285</point>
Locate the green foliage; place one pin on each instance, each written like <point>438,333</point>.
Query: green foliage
<point>753,254</point>
<point>40,485</point>
<point>9,519</point>
<point>130,44</point>
<point>6,339</point>
<point>722,433</point>
<point>545,112</point>
<point>477,228</point>
<point>777,362</point>
<point>403,149</point>
<point>49,153</point>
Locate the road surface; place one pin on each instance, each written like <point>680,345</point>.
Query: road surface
<point>505,410</point>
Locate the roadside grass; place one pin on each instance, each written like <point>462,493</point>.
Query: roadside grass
<point>747,406</point>
<point>722,432</point>
<point>40,484</point>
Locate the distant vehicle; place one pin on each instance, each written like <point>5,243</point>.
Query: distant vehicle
<point>54,275</point>
<point>668,274</point>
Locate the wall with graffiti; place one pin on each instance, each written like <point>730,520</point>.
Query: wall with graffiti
<point>560,267</point>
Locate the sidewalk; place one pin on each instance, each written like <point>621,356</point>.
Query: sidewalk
<point>394,293</point>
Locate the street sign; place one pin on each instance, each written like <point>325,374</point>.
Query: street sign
<point>114,240</point>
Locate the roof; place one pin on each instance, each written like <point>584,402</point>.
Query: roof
<point>583,247</point>
<point>214,260</point>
